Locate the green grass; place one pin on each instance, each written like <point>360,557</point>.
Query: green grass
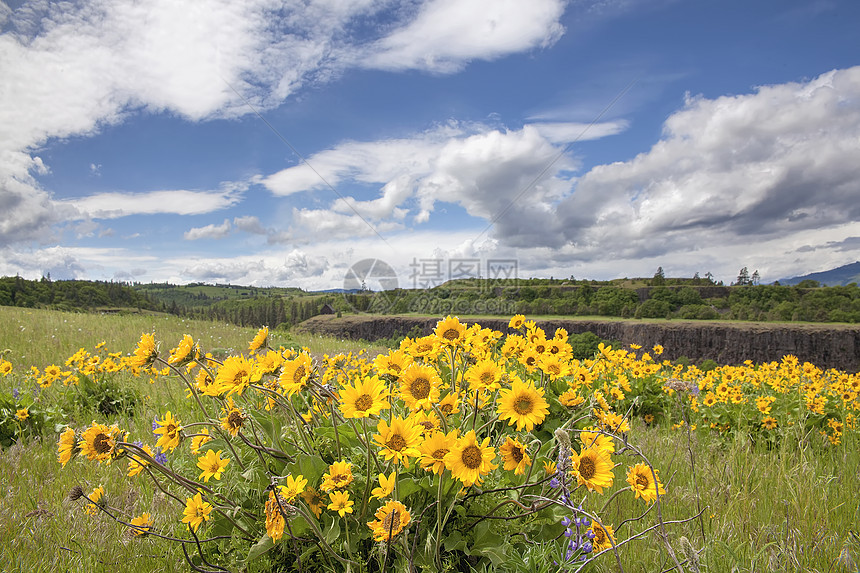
<point>791,508</point>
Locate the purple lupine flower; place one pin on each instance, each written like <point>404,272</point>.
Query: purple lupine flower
<point>554,483</point>
<point>565,521</point>
<point>161,458</point>
<point>589,534</point>
<point>586,547</point>
<point>15,393</point>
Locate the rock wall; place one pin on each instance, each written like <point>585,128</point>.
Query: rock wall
<point>827,346</point>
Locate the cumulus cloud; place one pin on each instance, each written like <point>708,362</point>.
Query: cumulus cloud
<point>446,34</point>
<point>209,231</point>
<point>73,68</point>
<point>510,178</point>
<point>753,167</point>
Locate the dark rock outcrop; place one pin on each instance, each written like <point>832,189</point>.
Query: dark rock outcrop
<point>826,346</point>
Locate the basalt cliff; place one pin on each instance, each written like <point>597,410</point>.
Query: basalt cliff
<point>826,346</point>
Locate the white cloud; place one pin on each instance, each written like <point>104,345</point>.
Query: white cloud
<point>249,224</point>
<point>446,34</point>
<point>177,201</point>
<point>737,169</point>
<point>209,231</point>
<point>511,177</point>
<point>70,69</point>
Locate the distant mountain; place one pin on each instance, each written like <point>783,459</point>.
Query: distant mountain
<point>839,276</point>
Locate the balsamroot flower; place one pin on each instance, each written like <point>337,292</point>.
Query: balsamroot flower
<point>212,465</point>
<point>592,468</point>
<point>170,429</point>
<point>340,502</point>
<point>469,460</point>
<point>145,353</point>
<point>398,442</point>
<point>365,398</point>
<point>419,387</point>
<point>522,404</point>
<point>66,446</point>
<point>643,484</point>
<point>450,331</point>
<point>391,519</point>
<point>515,456</point>
<point>604,536</point>
<point>98,442</point>
<point>196,511</point>
<point>141,524</point>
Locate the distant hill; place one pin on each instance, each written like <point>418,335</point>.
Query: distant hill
<point>839,276</point>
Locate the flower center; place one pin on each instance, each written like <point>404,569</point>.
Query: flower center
<point>428,425</point>
<point>102,443</point>
<point>471,457</point>
<point>396,443</point>
<point>599,535</point>
<point>364,402</point>
<point>451,334</point>
<point>439,454</point>
<point>235,419</point>
<point>392,521</point>
<point>530,361</point>
<point>523,405</point>
<point>299,374</point>
<point>487,378</point>
<point>587,468</point>
<point>420,388</point>
<point>642,481</point>
<point>517,454</point>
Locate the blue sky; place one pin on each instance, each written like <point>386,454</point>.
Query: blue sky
<point>280,143</point>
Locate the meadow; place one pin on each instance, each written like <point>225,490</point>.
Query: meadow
<point>759,464</point>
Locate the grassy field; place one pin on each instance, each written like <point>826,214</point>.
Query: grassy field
<point>790,508</point>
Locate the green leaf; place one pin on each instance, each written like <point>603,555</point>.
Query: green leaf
<point>262,546</point>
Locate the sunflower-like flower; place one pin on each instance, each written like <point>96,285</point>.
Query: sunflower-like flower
<point>434,448</point>
<point>141,524</point>
<point>184,352</point>
<point>296,373</point>
<point>419,387</point>
<point>339,476</point>
<point>517,321</point>
<point>386,486</point>
<point>340,502</point>
<point>145,353</point>
<point>592,468</point>
<point>553,366</point>
<point>426,347</point>
<point>515,456</point>
<point>449,404</point>
<point>392,364</point>
<point>196,511</point>
<point>398,442</point>
<point>233,418</point>
<point>136,463</point>
<point>170,429</point>
<point>642,482</point>
<point>450,331</point>
<point>261,340</point>
<point>200,439</point>
<point>391,519</point>
<point>97,500</point>
<point>236,374</point>
<point>485,375</point>
<point>522,404</point>
<point>604,536</point>
<point>212,465</point>
<point>367,397</point>
<point>469,460</point>
<point>570,398</point>
<point>67,446</point>
<point>428,421</point>
<point>98,442</point>
<point>315,501</point>
<point>275,521</point>
<point>592,437</point>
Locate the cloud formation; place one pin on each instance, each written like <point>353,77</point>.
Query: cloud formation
<point>71,69</point>
<point>745,168</point>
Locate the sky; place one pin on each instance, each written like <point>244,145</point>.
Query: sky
<point>314,143</point>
